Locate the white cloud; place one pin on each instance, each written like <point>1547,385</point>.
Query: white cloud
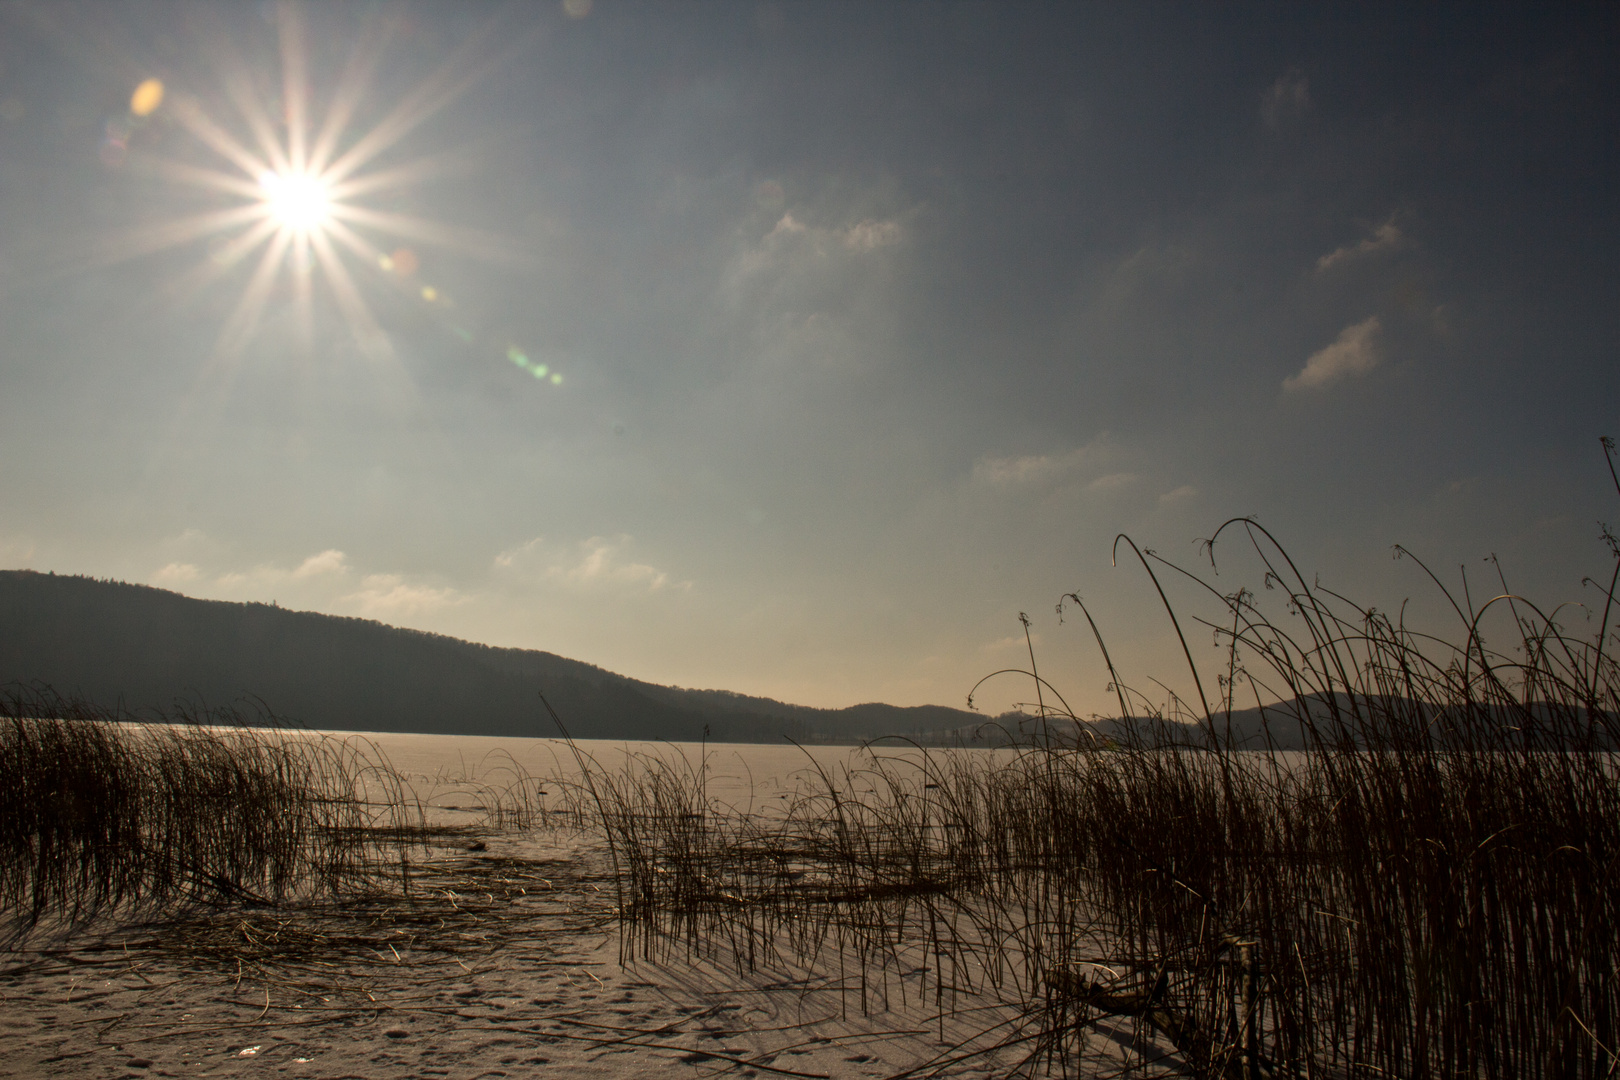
<point>330,561</point>
<point>389,596</point>
<point>190,546</point>
<point>16,553</point>
<point>793,244</point>
<point>864,235</point>
<point>1026,469</point>
<point>328,564</point>
<point>1288,99</point>
<point>1386,237</point>
<point>518,556</point>
<point>1354,353</point>
<point>1029,469</point>
<point>870,234</point>
<point>600,562</point>
<point>324,581</point>
<point>1012,643</point>
<point>176,574</point>
<point>1178,495</point>
<point>787,226</point>
<point>1112,482</point>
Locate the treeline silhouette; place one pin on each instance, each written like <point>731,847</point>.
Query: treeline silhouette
<point>143,648</point>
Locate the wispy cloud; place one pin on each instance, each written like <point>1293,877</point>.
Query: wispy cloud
<point>1355,352</point>
<point>1011,643</point>
<point>1023,469</point>
<point>330,561</point>
<point>325,581</point>
<point>1286,100</point>
<point>1033,469</point>
<point>596,563</point>
<point>1153,270</point>
<point>177,573</point>
<point>1112,482</point>
<point>1178,495</point>
<point>864,235</point>
<point>603,561</point>
<point>15,552</point>
<point>792,242</point>
<point>787,226</point>
<point>1387,237</point>
<point>869,234</point>
<point>391,596</point>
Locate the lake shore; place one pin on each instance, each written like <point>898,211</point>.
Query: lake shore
<point>505,963</point>
<point>335,905</point>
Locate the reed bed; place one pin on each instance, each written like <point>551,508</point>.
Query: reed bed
<point>102,812</point>
<point>505,795</point>
<point>1431,887</point>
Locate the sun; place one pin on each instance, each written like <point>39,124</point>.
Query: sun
<point>297,193</point>
<point>295,190</point>
<point>296,202</point>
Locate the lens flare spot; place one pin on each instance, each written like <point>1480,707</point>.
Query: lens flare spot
<point>515,354</point>
<point>429,293</point>
<point>540,371</point>
<point>147,97</point>
<point>296,201</point>
<point>405,262</point>
<point>385,261</point>
<point>556,379</point>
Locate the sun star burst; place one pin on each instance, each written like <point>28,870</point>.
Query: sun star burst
<point>297,202</point>
<point>295,192</point>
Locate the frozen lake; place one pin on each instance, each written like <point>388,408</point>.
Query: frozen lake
<point>446,771</point>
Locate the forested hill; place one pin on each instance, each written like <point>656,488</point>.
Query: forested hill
<point>147,648</point>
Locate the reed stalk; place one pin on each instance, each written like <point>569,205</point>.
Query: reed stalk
<point>1431,887</point>
<point>102,811</point>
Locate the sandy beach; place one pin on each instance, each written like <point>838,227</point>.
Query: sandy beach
<point>506,962</point>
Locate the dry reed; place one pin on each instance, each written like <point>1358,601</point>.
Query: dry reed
<point>1430,887</point>
<point>102,811</point>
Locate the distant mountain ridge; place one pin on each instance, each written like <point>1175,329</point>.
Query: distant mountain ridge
<point>148,648</point>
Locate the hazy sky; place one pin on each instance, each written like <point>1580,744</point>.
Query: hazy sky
<point>863,327</point>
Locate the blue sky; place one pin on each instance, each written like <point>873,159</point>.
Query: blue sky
<point>874,324</point>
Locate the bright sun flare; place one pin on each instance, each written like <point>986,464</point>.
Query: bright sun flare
<point>294,192</point>
<point>298,202</point>
<point>295,184</point>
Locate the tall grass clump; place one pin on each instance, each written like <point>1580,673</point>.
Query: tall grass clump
<point>100,811</point>
<point>1371,851</point>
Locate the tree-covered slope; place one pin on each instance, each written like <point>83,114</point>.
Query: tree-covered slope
<point>144,647</point>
